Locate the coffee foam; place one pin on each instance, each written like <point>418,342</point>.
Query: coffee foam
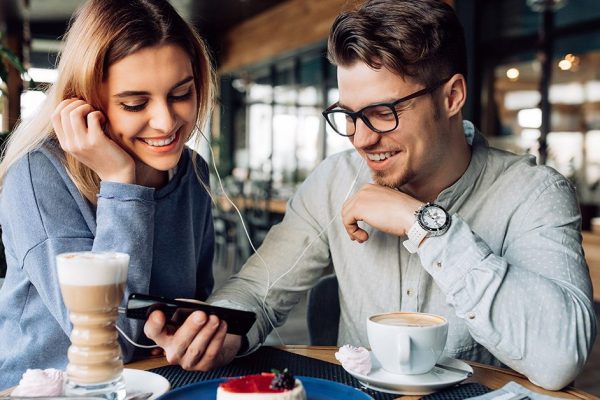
<point>408,319</point>
<point>90,268</point>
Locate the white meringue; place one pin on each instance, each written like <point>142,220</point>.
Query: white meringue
<point>356,359</point>
<point>37,382</point>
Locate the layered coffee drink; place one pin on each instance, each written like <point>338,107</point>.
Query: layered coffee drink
<point>92,286</point>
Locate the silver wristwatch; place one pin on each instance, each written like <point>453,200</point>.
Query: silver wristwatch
<point>431,220</point>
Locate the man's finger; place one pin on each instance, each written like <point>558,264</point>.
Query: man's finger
<point>213,355</point>
<point>155,325</point>
<point>185,335</point>
<point>207,344</point>
<point>350,222</point>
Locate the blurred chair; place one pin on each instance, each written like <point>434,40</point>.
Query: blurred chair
<point>323,312</point>
<point>257,215</point>
<point>227,223</point>
<point>226,226</point>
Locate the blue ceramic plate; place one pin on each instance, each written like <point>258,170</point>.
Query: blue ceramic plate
<point>316,389</point>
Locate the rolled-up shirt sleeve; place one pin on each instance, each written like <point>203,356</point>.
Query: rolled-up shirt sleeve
<point>530,305</point>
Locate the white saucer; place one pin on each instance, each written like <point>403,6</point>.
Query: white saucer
<point>438,378</point>
<point>144,381</point>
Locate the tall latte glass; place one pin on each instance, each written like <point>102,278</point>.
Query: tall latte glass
<point>92,286</point>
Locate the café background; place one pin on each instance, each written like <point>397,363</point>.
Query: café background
<point>534,87</point>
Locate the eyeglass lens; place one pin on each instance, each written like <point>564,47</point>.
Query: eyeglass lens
<point>380,117</point>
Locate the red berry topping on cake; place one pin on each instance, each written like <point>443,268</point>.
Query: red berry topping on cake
<point>258,383</point>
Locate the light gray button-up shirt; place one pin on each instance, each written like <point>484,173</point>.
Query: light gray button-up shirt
<point>509,274</point>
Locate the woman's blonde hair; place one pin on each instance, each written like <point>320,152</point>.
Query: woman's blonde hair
<point>103,32</point>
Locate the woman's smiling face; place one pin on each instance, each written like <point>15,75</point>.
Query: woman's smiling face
<point>150,102</point>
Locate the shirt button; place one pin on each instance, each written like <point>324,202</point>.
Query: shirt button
<point>409,292</point>
<point>471,315</point>
<point>438,264</point>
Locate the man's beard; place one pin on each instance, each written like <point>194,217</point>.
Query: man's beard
<point>391,180</point>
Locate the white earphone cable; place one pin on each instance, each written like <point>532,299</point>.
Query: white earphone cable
<point>269,285</point>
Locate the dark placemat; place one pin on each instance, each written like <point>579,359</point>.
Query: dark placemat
<point>459,392</point>
<point>267,358</point>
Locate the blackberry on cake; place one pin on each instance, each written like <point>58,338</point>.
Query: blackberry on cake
<point>283,380</point>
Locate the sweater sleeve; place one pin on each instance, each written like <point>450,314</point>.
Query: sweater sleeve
<point>533,297</point>
<point>125,223</point>
<point>46,216</point>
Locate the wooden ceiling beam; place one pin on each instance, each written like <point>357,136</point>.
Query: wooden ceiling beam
<point>291,25</point>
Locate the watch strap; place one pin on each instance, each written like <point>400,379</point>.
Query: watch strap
<point>415,235</point>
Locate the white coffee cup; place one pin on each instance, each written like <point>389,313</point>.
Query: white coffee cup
<point>407,343</point>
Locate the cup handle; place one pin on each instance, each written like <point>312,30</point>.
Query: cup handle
<point>404,350</point>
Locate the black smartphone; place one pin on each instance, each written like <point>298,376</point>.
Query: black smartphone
<point>140,306</point>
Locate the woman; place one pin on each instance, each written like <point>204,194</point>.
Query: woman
<point>103,166</point>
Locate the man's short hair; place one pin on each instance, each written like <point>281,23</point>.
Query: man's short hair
<point>420,39</point>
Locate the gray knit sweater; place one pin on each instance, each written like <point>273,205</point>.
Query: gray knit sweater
<point>168,233</point>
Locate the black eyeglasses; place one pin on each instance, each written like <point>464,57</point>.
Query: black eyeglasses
<point>380,117</point>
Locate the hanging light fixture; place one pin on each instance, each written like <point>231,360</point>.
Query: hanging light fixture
<point>569,63</point>
<point>513,74</point>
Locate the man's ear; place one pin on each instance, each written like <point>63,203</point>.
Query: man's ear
<point>455,94</point>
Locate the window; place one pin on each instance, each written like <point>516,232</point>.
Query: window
<point>511,114</point>
<point>283,136</point>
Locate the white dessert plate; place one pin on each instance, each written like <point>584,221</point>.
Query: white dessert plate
<point>144,381</point>
<point>438,378</point>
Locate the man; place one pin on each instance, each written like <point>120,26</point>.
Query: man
<point>498,251</point>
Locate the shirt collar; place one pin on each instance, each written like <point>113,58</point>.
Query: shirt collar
<point>452,197</point>
<point>469,129</point>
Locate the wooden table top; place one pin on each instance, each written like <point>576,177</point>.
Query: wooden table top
<point>274,205</point>
<point>487,375</point>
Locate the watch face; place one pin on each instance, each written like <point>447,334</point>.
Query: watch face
<point>433,217</point>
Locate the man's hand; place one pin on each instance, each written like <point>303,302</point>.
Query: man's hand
<point>200,344</point>
<point>385,209</point>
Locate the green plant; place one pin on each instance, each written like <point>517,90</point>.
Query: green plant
<point>8,56</point>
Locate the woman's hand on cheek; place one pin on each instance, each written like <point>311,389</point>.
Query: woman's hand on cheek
<point>78,127</point>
